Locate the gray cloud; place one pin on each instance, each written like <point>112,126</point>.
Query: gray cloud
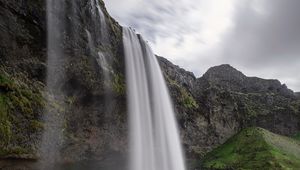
<point>269,37</point>
<point>154,19</point>
<point>266,41</point>
<point>259,37</point>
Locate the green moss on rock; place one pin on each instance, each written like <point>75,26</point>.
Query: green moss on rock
<point>13,152</point>
<point>5,124</point>
<point>255,148</point>
<point>119,84</point>
<point>20,106</point>
<point>185,98</point>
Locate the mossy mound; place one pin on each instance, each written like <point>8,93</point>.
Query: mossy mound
<point>255,148</point>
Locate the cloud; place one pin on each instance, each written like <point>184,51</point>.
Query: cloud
<point>265,40</point>
<point>259,37</point>
<point>271,36</point>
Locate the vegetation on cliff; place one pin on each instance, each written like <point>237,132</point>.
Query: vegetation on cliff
<point>20,108</point>
<point>255,148</point>
<point>184,97</point>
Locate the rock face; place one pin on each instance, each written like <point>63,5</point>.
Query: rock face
<point>209,109</point>
<point>184,78</point>
<point>223,101</point>
<point>94,128</point>
<point>227,77</point>
<point>297,94</point>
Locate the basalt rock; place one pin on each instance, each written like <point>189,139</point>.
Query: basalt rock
<point>297,94</point>
<point>93,128</point>
<point>209,109</point>
<point>223,101</point>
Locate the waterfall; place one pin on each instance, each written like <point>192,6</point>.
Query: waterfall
<point>98,17</point>
<point>100,57</point>
<point>53,129</point>
<point>154,137</point>
<point>62,24</point>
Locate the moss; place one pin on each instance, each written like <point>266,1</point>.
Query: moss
<point>23,99</point>
<point>36,125</point>
<point>56,106</point>
<point>254,104</point>
<point>5,124</point>
<point>119,84</point>
<point>71,100</point>
<point>19,104</point>
<point>255,148</point>
<point>251,110</point>
<point>186,99</point>
<point>6,152</point>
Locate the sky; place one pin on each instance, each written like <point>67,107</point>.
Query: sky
<point>258,37</point>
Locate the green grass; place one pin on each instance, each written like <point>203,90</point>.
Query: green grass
<point>255,148</point>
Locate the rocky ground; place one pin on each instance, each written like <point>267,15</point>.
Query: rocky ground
<point>210,109</point>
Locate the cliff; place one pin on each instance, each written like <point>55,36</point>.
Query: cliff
<point>209,109</point>
<point>297,95</point>
<point>223,101</point>
<point>91,126</point>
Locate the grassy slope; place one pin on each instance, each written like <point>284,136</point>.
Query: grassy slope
<point>255,148</point>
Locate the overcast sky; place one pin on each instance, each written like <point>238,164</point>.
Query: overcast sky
<point>258,37</point>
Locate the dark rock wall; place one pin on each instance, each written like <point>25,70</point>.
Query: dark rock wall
<point>94,128</point>
<point>229,101</point>
<point>223,101</point>
<point>297,95</point>
<point>209,109</point>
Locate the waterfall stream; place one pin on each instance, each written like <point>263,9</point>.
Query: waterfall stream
<point>53,128</point>
<point>98,17</point>
<point>60,25</point>
<point>154,137</point>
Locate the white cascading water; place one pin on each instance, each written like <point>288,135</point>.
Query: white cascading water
<point>53,129</point>
<point>96,10</point>
<point>97,16</point>
<point>154,137</point>
<point>100,57</point>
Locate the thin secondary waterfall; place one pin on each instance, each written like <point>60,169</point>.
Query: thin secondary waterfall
<point>98,17</point>
<point>62,24</point>
<point>53,129</point>
<point>154,137</point>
